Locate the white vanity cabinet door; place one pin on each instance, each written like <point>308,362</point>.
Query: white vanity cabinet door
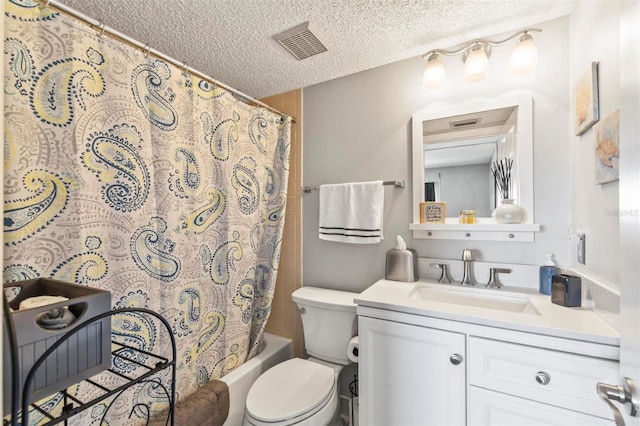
<point>407,375</point>
<point>488,408</point>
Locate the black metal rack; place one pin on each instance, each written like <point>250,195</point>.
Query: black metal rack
<point>150,367</point>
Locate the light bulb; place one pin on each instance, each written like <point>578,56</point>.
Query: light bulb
<point>434,74</point>
<point>476,66</point>
<point>524,57</point>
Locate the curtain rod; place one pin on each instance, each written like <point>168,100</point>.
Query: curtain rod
<point>104,29</point>
<point>396,183</point>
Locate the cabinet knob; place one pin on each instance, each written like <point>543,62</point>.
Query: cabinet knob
<point>456,359</point>
<point>543,378</point>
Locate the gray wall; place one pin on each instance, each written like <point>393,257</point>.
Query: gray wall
<point>358,128</point>
<point>464,188</point>
<point>595,207</point>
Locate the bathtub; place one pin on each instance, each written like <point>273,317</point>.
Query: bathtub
<point>276,350</point>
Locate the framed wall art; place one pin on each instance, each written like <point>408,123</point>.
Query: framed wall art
<point>585,102</point>
<point>607,155</point>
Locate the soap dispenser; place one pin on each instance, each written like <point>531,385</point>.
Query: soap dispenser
<point>546,273</point>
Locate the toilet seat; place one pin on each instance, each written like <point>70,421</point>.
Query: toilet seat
<point>291,392</point>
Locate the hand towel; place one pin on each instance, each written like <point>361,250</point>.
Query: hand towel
<point>352,212</point>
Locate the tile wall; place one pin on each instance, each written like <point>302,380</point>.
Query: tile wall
<point>285,320</point>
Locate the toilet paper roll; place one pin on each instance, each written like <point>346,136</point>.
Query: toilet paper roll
<point>352,350</point>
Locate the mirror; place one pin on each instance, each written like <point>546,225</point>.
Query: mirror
<point>458,154</point>
<point>454,148</point>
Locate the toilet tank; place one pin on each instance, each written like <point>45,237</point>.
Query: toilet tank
<point>329,322</point>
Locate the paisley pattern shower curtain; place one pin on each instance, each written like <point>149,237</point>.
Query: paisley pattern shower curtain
<point>125,173</point>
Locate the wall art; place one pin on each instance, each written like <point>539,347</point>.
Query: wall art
<point>586,106</point>
<point>607,155</point>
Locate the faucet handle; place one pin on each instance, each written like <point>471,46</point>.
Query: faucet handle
<point>444,275</point>
<point>466,255</point>
<point>493,277</point>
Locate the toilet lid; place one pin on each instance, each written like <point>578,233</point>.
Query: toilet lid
<point>290,389</point>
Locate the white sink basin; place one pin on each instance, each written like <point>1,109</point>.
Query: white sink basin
<point>478,298</point>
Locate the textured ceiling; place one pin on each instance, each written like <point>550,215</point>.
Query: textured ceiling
<point>231,39</point>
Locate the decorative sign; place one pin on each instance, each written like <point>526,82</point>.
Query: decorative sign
<point>433,212</point>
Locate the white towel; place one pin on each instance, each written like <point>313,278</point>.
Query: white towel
<point>352,212</point>
<point>37,301</point>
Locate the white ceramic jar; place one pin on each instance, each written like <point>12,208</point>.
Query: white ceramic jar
<point>509,212</point>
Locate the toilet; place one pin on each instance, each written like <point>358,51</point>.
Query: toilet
<point>305,391</point>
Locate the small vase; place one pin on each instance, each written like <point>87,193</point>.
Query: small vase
<point>509,212</point>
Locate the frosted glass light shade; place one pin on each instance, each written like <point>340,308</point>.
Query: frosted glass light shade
<point>434,74</point>
<point>476,67</point>
<point>524,57</point>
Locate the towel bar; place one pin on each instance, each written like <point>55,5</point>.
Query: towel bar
<point>396,183</point>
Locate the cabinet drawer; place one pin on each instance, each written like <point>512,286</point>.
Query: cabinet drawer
<point>488,408</point>
<point>521,370</point>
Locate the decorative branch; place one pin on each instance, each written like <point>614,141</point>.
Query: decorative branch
<point>501,171</point>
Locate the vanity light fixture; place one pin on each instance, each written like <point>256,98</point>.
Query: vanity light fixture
<point>475,55</point>
<point>524,57</point>
<point>476,64</point>
<point>434,74</point>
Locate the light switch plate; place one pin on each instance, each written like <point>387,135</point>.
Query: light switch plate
<point>581,248</point>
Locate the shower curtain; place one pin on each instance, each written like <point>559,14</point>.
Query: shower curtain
<point>126,173</point>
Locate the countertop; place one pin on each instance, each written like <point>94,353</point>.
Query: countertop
<point>546,318</point>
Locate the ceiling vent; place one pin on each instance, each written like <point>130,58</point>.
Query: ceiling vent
<point>464,123</point>
<point>300,41</point>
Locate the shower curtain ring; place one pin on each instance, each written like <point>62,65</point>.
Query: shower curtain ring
<point>47,3</point>
<point>147,50</point>
<point>102,26</point>
<point>186,67</point>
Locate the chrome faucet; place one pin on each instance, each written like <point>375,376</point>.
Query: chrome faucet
<point>493,277</point>
<point>444,274</point>
<point>467,275</point>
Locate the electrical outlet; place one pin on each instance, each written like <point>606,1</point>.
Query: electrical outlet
<point>581,248</point>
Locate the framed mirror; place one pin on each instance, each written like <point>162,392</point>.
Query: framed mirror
<point>458,154</point>
<point>454,148</point>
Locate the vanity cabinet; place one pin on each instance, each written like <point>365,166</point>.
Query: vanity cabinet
<point>410,375</point>
<point>436,372</point>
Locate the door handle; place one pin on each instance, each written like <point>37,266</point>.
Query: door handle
<point>626,394</point>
